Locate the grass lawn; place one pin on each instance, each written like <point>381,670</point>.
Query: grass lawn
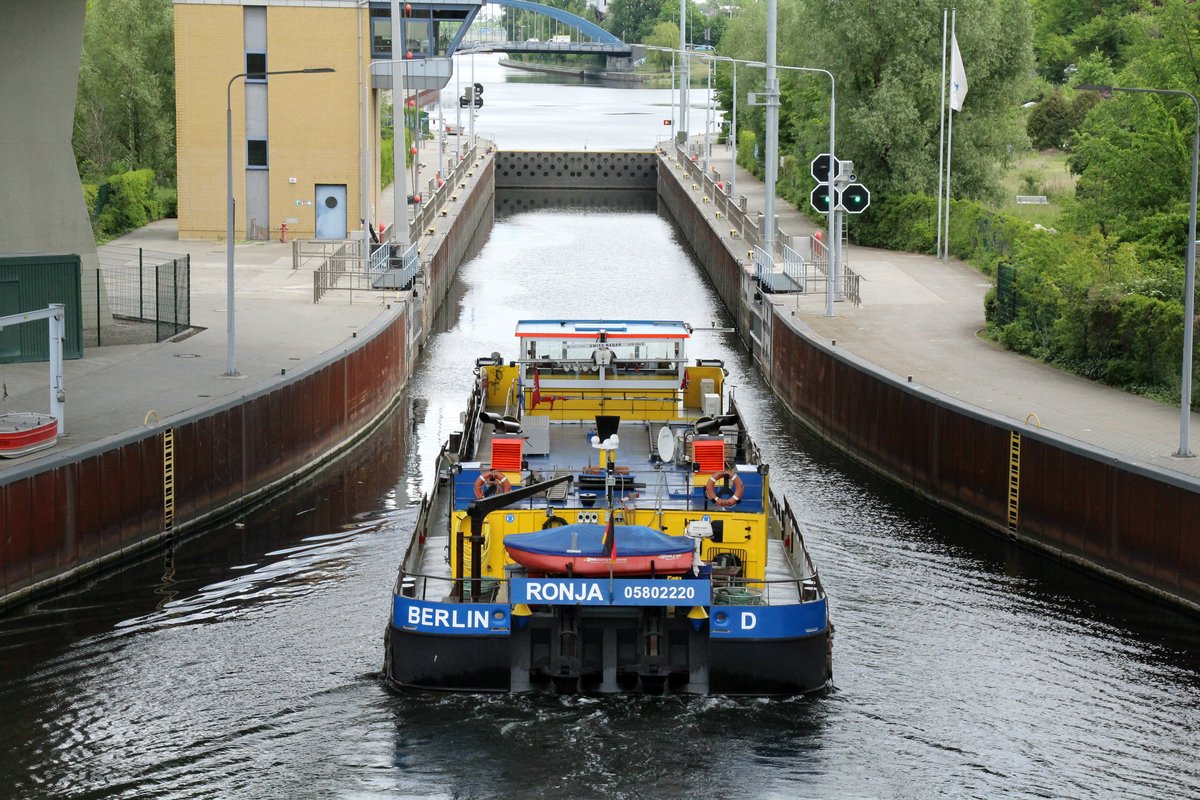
<point>1035,173</point>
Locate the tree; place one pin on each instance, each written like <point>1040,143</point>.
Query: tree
<point>633,20</point>
<point>886,60</point>
<point>125,113</point>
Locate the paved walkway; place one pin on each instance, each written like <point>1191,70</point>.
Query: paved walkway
<point>923,318</point>
<point>112,389</point>
<point>919,317</point>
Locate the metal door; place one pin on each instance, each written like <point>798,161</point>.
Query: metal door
<point>10,335</point>
<point>331,210</point>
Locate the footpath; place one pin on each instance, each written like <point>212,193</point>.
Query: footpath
<point>279,329</point>
<point>919,317</point>
<point>923,318</point>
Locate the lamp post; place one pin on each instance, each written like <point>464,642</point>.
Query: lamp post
<point>400,224</point>
<point>834,245</point>
<point>1189,283</point>
<point>230,327</point>
<point>732,123</point>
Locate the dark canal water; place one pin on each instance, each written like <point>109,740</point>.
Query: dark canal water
<point>245,662</point>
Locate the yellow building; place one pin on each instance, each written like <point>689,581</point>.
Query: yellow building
<point>304,145</point>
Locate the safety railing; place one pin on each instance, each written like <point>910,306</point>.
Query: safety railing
<point>354,264</point>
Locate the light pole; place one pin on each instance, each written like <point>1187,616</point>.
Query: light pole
<point>400,231</point>
<point>230,327</point>
<point>732,124</point>
<point>833,246</point>
<point>1189,282</point>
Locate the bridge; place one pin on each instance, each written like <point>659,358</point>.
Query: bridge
<point>542,29</point>
<point>436,30</point>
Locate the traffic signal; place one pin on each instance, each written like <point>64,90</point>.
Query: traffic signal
<point>854,198</point>
<point>820,167</point>
<point>820,198</point>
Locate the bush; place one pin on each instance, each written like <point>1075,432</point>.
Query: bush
<point>128,201</point>
<point>168,198</point>
<point>90,193</point>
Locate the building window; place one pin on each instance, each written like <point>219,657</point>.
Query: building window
<point>256,153</point>
<point>256,67</point>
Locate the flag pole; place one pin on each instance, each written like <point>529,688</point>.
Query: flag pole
<point>949,152</point>
<point>942,137</point>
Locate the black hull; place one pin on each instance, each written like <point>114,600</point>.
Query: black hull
<point>503,664</point>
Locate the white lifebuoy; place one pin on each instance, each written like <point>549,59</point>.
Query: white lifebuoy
<point>491,482</point>
<point>727,477</point>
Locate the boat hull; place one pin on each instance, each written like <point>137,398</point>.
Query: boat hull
<point>516,663</point>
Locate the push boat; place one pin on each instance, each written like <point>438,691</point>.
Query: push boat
<point>603,523</point>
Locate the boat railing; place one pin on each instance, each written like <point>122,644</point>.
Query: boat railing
<point>443,588</point>
<point>731,591</point>
<point>793,540</point>
<point>412,556</point>
<point>728,591</point>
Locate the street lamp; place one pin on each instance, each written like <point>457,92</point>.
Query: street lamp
<point>834,242</point>
<point>1189,290</point>
<point>833,246</point>
<point>230,328</point>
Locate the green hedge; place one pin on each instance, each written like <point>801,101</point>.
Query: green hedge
<point>1102,308</point>
<point>126,201</point>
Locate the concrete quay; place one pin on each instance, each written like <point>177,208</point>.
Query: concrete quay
<point>922,318</point>
<point>161,441</point>
<point>906,386</point>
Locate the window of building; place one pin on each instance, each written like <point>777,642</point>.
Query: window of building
<point>256,66</point>
<point>256,153</point>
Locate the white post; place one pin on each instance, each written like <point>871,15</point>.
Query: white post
<point>674,119</point>
<point>708,117</point>
<point>471,105</point>
<point>733,139</point>
<point>457,120</point>
<point>400,229</point>
<point>941,138</point>
<point>772,155</point>
<point>683,74</point>
<point>58,390</point>
<point>949,160</point>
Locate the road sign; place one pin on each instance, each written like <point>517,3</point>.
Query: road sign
<point>820,167</point>
<point>820,198</point>
<point>854,199</point>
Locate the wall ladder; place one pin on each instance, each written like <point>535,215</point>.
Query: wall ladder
<point>168,479</point>
<point>1014,482</point>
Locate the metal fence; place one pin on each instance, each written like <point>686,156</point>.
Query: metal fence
<point>146,294</point>
<point>353,264</point>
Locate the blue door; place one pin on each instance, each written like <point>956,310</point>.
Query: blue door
<point>331,210</point>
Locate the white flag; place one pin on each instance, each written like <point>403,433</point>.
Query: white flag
<point>958,77</point>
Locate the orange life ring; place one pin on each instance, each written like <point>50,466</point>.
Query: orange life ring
<point>710,491</point>
<point>493,479</point>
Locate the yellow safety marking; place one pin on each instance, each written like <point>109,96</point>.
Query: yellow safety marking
<point>168,479</point>
<point>1014,480</point>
